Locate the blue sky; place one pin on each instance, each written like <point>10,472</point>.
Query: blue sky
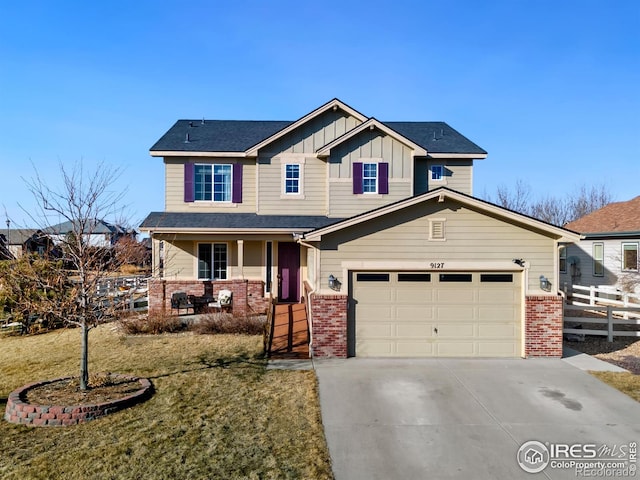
<point>551,89</point>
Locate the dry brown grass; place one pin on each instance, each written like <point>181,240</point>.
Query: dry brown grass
<point>217,412</point>
<point>625,382</point>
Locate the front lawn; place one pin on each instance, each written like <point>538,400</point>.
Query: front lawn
<point>216,413</point>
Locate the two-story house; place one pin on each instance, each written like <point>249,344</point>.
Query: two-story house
<point>372,224</point>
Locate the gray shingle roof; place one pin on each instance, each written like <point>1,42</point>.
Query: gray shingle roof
<point>240,135</point>
<point>182,220</point>
<point>435,137</point>
<point>216,135</point>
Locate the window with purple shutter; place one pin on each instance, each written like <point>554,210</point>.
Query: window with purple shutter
<point>189,187</point>
<point>236,194</point>
<point>383,178</point>
<point>357,178</point>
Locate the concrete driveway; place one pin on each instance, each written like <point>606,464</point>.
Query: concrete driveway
<point>467,419</point>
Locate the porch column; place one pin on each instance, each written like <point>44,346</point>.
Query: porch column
<point>241,258</point>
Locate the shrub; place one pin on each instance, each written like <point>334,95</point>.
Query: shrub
<point>153,324</point>
<point>227,323</point>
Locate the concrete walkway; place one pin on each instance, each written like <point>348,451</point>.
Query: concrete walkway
<point>464,419</point>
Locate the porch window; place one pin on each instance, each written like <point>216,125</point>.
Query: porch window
<point>630,256</point>
<point>212,261</point>
<point>598,259</point>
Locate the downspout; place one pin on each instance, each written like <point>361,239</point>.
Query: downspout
<point>313,290</point>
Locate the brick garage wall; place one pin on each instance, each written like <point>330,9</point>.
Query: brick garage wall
<point>248,295</point>
<point>543,320</point>
<point>329,326</point>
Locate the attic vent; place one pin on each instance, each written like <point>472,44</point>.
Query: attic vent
<point>436,229</point>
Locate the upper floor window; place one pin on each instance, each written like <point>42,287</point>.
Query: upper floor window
<point>212,183</point>
<point>598,259</point>
<point>630,256</point>
<point>369,178</point>
<point>292,179</point>
<point>437,172</point>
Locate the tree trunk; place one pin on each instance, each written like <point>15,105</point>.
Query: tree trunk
<point>84,359</point>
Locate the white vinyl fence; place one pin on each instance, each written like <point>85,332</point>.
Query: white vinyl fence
<point>603,308</point>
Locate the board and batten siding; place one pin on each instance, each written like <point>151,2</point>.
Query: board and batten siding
<point>471,237</point>
<point>174,186</point>
<point>366,146</point>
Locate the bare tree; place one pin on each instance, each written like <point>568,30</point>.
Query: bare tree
<point>81,201</point>
<point>558,210</point>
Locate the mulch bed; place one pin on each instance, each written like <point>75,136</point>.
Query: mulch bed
<point>67,392</point>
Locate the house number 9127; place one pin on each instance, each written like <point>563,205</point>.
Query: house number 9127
<point>437,265</point>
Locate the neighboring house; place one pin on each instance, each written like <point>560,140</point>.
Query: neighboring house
<point>607,255</point>
<point>372,224</point>
<point>5,253</point>
<point>98,233</point>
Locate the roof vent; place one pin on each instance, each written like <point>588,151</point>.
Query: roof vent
<point>191,124</point>
<point>187,139</point>
<point>202,120</point>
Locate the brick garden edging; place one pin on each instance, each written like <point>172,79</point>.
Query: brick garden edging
<point>21,412</point>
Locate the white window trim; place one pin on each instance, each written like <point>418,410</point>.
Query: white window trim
<point>431,173</point>
<point>197,259</point>
<point>218,202</point>
<point>432,221</point>
<point>375,161</point>
<point>635,244</point>
<point>593,246</point>
<point>289,159</point>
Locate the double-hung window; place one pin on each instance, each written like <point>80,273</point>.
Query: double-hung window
<point>292,179</point>
<point>369,178</point>
<point>563,259</point>
<point>598,259</point>
<point>212,183</point>
<point>630,256</point>
<point>212,261</point>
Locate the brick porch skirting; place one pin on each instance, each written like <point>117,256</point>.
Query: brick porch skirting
<point>248,295</point>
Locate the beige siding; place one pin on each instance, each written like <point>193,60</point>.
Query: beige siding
<point>371,144</point>
<point>343,203</point>
<point>271,187</point>
<point>179,263</point>
<point>471,237</point>
<point>316,133</point>
<point>368,145</point>
<point>458,175</point>
<point>174,190</point>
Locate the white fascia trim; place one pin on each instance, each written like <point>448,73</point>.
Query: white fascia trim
<point>196,154</point>
<point>372,123</point>
<point>335,103</point>
<point>474,156</point>
<point>225,231</point>
<point>562,234</point>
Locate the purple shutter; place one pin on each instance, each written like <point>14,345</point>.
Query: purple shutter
<point>383,178</point>
<point>357,178</point>
<point>236,191</point>
<point>189,187</point>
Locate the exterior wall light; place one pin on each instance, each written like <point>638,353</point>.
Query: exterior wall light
<point>334,283</point>
<point>545,284</point>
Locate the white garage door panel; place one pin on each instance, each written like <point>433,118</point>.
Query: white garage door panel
<point>440,314</point>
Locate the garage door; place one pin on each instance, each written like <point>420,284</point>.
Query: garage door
<point>469,314</point>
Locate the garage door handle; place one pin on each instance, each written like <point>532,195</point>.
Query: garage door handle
<point>435,330</point>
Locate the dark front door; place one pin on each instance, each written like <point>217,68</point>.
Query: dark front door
<point>288,272</point>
